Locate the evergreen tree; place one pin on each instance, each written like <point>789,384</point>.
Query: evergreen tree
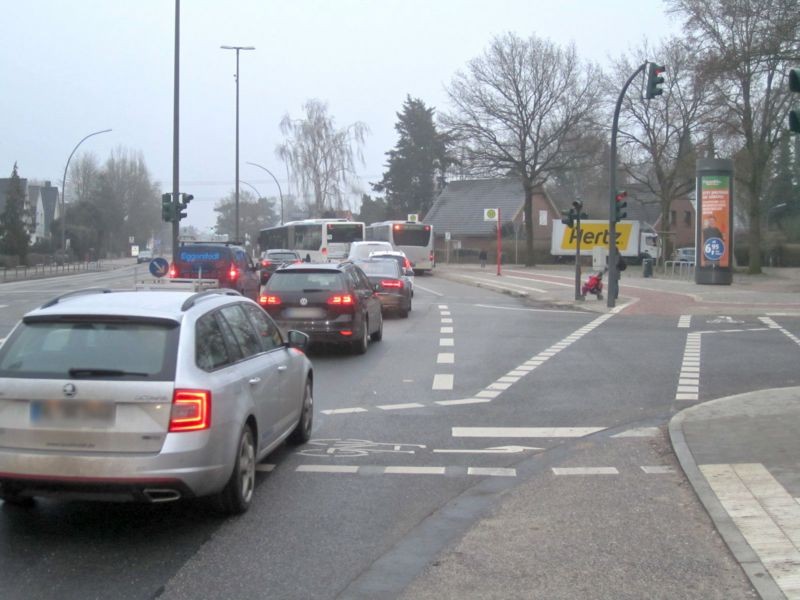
<point>372,211</point>
<point>416,166</point>
<point>14,234</point>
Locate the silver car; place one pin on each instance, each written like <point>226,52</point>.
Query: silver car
<point>148,396</point>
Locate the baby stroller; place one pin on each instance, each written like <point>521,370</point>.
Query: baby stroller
<point>594,285</point>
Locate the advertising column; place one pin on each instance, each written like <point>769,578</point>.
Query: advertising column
<point>714,227</point>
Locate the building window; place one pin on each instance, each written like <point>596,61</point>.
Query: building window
<point>687,217</point>
<point>673,217</point>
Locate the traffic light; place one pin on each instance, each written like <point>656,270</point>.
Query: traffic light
<point>167,210</point>
<point>620,204</point>
<point>794,113</point>
<point>569,217</point>
<point>185,199</point>
<point>654,80</point>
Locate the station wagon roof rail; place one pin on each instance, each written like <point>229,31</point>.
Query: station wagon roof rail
<point>58,299</point>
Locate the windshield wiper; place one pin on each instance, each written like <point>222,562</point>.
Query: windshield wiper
<point>84,372</point>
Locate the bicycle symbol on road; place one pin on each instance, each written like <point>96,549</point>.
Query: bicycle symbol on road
<point>352,448</point>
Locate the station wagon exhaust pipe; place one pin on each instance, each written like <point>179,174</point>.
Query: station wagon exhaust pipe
<point>161,495</point>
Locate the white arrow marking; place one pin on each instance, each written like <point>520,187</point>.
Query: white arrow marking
<point>495,450</point>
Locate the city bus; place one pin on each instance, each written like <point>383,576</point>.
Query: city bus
<point>415,239</point>
<point>317,240</point>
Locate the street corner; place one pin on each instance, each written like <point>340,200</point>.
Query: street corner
<point>739,453</point>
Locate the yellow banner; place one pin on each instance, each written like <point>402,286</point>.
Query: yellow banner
<point>596,234</point>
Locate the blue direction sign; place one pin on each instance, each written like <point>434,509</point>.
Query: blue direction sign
<point>159,267</point>
<point>713,249</point>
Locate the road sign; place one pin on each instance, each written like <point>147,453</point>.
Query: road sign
<point>447,236</point>
<point>159,267</point>
<point>490,214</point>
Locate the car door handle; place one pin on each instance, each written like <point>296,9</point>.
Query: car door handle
<point>255,380</point>
<point>282,368</point>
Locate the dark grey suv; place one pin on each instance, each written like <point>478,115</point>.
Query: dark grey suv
<point>328,301</point>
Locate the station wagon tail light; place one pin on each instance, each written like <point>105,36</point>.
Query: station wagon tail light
<point>173,271</point>
<point>233,273</point>
<point>266,300</point>
<point>266,263</point>
<point>392,283</point>
<point>191,410</point>
<point>341,300</point>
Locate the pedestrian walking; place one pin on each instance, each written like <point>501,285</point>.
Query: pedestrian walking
<point>482,258</point>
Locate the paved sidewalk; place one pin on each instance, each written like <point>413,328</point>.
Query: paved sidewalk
<point>741,455</point>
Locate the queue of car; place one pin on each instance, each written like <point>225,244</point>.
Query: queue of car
<point>155,396</point>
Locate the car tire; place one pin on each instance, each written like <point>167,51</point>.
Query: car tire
<point>360,347</point>
<point>236,496</point>
<point>377,336</point>
<point>302,432</point>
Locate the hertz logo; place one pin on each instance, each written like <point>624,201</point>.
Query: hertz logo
<point>596,234</point>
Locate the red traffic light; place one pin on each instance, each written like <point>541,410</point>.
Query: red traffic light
<point>621,196</point>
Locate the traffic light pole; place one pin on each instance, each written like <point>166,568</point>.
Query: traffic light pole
<point>613,252</point>
<point>175,133</point>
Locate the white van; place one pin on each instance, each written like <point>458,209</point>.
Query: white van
<point>364,249</point>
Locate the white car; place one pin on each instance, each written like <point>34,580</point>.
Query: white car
<point>364,249</point>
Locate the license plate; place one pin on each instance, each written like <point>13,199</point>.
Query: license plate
<point>60,413</point>
<point>303,313</point>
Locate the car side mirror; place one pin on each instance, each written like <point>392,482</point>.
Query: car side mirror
<point>297,339</point>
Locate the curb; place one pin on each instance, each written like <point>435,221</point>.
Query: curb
<point>759,577</point>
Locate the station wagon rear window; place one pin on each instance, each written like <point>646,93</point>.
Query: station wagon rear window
<point>82,349</point>
<point>305,281</point>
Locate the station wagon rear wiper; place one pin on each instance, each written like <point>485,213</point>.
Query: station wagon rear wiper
<point>83,372</point>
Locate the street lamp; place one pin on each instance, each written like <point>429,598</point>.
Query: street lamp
<point>63,184</point>
<point>280,193</point>
<point>237,48</point>
<point>252,187</point>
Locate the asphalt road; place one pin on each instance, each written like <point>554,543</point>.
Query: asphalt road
<point>435,436</point>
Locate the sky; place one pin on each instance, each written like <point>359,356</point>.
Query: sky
<point>68,69</point>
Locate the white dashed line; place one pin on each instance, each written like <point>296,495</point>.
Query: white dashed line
<point>773,325</point>
<point>343,411</point>
<point>497,472</point>
<point>445,330</point>
<point>463,401</point>
<point>585,471</point>
<point>442,381</point>
<point>658,470</point>
<point>445,358</point>
<point>327,469</point>
<point>265,468</point>
<point>414,470</point>
<point>638,432</point>
<point>685,321</point>
<point>401,406</point>
<point>524,432</point>
<point>447,342</point>
<point>447,320</point>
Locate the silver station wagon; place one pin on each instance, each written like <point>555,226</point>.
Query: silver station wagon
<point>148,396</point>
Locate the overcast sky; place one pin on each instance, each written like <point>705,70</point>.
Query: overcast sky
<point>68,69</point>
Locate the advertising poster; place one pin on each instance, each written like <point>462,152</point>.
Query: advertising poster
<point>715,237</point>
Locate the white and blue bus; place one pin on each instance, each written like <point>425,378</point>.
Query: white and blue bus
<point>319,240</point>
<point>415,239</point>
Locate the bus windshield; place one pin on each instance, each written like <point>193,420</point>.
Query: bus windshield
<point>345,233</point>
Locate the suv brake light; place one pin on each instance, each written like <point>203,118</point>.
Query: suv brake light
<point>341,300</point>
<point>233,272</point>
<point>173,271</point>
<point>392,283</point>
<point>266,263</point>
<point>191,410</point>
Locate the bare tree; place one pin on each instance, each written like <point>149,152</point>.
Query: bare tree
<point>322,156</point>
<point>83,173</point>
<point>659,138</point>
<point>518,108</point>
<point>745,48</point>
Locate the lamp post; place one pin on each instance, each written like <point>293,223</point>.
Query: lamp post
<point>237,48</point>
<point>252,187</point>
<point>280,193</point>
<point>63,198</point>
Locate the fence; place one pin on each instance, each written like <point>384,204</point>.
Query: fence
<point>49,270</point>
<point>679,269</point>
